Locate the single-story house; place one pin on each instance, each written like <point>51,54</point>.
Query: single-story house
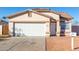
<point>39,22</point>
<point>3,27</point>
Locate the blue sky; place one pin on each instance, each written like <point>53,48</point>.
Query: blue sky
<point>73,11</point>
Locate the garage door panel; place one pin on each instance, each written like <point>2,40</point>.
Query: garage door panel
<point>30,29</point>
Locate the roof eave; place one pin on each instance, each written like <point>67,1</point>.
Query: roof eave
<point>67,18</point>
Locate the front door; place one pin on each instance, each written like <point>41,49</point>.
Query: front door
<point>5,29</point>
<point>53,29</point>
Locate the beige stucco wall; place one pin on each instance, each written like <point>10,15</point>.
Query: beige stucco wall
<point>47,29</point>
<point>55,16</point>
<point>58,28</point>
<point>26,18</point>
<point>11,28</point>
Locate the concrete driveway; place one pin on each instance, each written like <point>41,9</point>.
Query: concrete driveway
<point>22,44</point>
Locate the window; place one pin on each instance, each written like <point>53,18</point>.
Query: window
<point>63,25</point>
<point>67,25</point>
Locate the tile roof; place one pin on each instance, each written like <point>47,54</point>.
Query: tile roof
<point>65,15</point>
<point>39,10</point>
<point>23,12</point>
<point>62,14</point>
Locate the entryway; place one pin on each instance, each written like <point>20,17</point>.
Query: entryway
<point>53,29</point>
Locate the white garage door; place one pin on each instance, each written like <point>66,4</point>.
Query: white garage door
<point>30,29</point>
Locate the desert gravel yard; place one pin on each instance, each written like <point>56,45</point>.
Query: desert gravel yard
<point>22,44</point>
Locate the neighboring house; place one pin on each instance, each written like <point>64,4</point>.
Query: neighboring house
<point>39,22</point>
<point>75,28</point>
<point>3,27</point>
